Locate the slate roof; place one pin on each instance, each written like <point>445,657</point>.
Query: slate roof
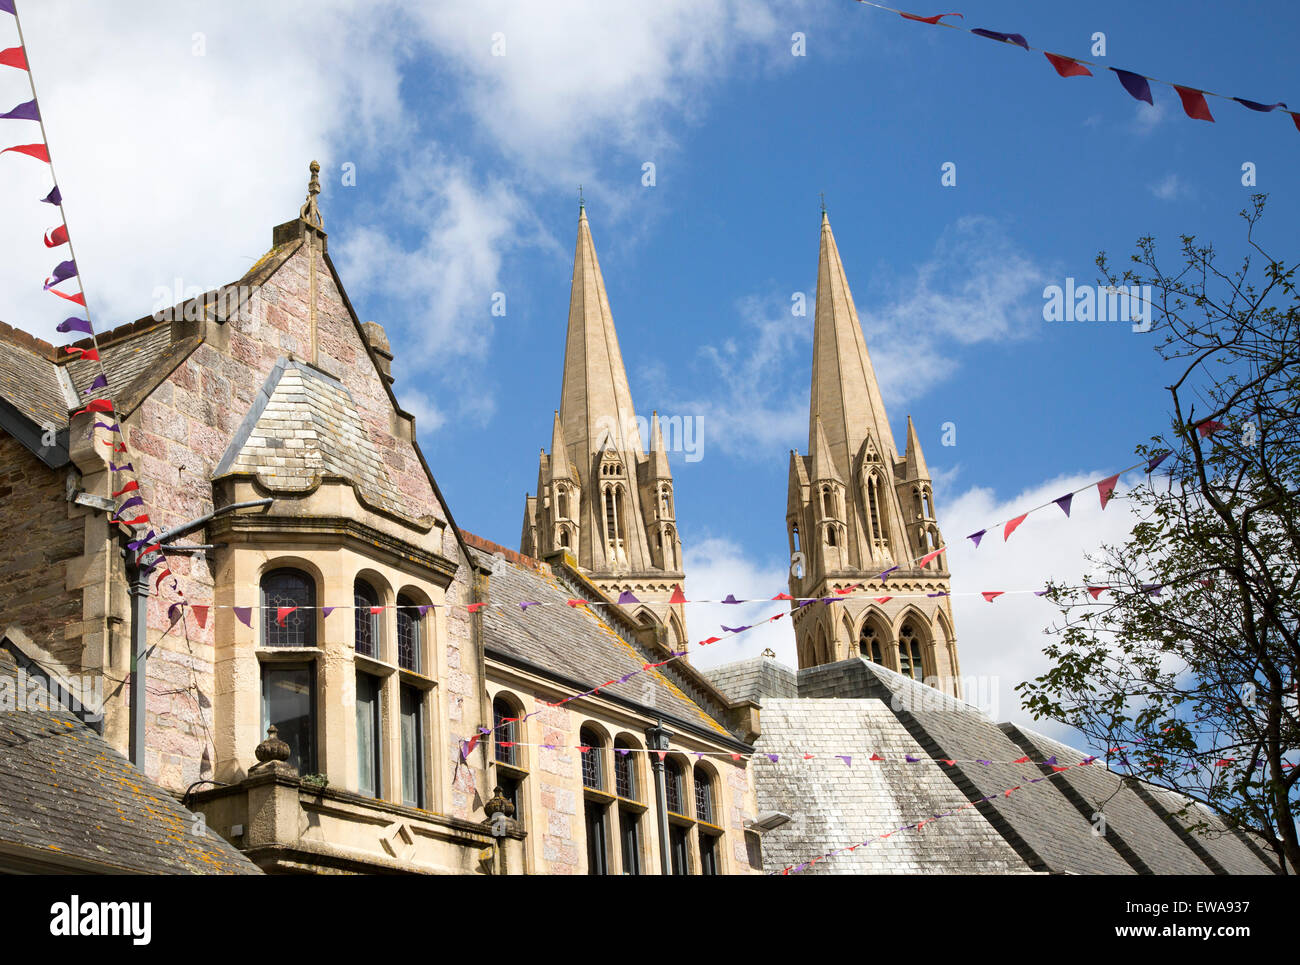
<point>574,642</point>
<point>29,379</point>
<point>754,679</point>
<point>304,424</point>
<point>836,806</point>
<point>125,359</point>
<point>66,793</point>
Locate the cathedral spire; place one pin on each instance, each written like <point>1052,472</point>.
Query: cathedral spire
<point>595,400</point>
<point>823,464</point>
<point>844,390</point>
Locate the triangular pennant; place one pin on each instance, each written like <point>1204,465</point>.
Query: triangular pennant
<point>626,598</point>
<point>1209,427</point>
<point>474,607</point>
<point>928,557</point>
<point>38,151</point>
<point>1253,105</point>
<point>1051,760</point>
<point>1011,526</point>
<point>678,596</point>
<point>883,599</point>
<point>734,629</point>
<point>1135,84</point>
<point>930,20</point>
<point>1064,502</point>
<point>991,595</point>
<point>1021,760</point>
<point>1194,103</point>
<point>13,57</point>
<point>1006,38</point>
<point>201,614</point>
<point>976,537</point>
<point>576,602</point>
<point>281,612</point>
<point>56,236</point>
<point>783,596</point>
<point>730,599</point>
<point>326,611</point>
<point>1097,591</point>
<point>1154,461</point>
<point>1067,66</point>
<point>1106,489</point>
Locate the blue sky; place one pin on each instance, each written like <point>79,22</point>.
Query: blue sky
<point>467,166</point>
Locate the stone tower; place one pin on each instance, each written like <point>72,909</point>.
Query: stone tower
<point>856,509</point>
<point>600,497</point>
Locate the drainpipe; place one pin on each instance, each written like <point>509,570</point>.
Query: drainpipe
<point>138,578</point>
<point>656,739</point>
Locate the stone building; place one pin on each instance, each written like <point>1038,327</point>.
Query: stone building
<point>857,508</point>
<point>358,685</point>
<point>321,702</point>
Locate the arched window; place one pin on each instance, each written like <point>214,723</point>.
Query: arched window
<point>593,771</point>
<point>707,813</point>
<point>364,598</point>
<point>794,537</point>
<point>510,770</point>
<point>675,783</point>
<point>873,510</point>
<point>408,633</point>
<point>828,504</point>
<point>869,643</point>
<point>625,760</point>
<point>927,503</point>
<point>705,806</point>
<point>562,505</point>
<point>564,538</point>
<point>909,653</point>
<point>666,501</point>
<point>288,588</point>
<point>830,535</point>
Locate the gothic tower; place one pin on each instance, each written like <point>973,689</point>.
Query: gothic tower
<point>856,509</point>
<point>601,498</point>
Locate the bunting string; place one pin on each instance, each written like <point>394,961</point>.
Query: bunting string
<point>1137,85</point>
<point>60,235</point>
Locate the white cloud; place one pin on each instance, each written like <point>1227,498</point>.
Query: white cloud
<point>715,567</point>
<point>1171,188</point>
<point>1004,639</point>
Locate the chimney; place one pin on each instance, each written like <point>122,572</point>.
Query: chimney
<point>378,343</point>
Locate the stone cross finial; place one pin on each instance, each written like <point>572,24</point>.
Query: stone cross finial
<point>823,197</point>
<point>310,212</point>
<point>581,202</point>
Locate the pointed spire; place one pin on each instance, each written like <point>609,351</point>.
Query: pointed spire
<point>823,464</point>
<point>595,394</point>
<point>658,455</point>
<point>559,454</point>
<point>844,390</point>
<point>916,468</point>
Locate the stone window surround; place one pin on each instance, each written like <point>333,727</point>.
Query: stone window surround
<point>334,723</point>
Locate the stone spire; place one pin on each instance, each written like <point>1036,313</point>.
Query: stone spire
<point>915,467</point>
<point>823,463</point>
<point>658,455</point>
<point>559,451</point>
<point>844,390</point>
<point>595,401</point>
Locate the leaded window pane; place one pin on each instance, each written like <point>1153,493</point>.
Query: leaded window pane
<point>408,634</point>
<point>673,782</point>
<point>592,775</point>
<point>363,598</point>
<point>288,588</point>
<point>504,732</point>
<point>287,704</point>
<point>625,775</point>
<point>703,798</point>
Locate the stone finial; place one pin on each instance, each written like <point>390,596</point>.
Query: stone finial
<point>310,211</point>
<point>769,653</point>
<point>498,804</point>
<point>273,753</point>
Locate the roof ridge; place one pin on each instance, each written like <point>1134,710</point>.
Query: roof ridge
<point>26,340</point>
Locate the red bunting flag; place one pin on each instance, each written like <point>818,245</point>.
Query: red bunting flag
<point>883,599</point>
<point>678,596</point>
<point>705,643</point>
<point>79,298</point>
<point>38,151</point>
<point>1021,760</point>
<point>576,602</point>
<point>783,596</point>
<point>1011,526</point>
<point>1106,489</point>
<point>133,522</point>
<point>661,755</point>
<point>949,761</point>
<point>875,757</point>
<point>201,614</point>
<point>376,610</point>
<point>130,487</point>
<point>1209,427</point>
<point>930,20</point>
<point>56,236</point>
<point>1097,591</point>
<point>925,560</point>
<point>991,595</point>
<point>1067,66</point>
<point>13,57</point>
<point>161,576</point>
<point>1194,103</point>
<point>475,607</point>
<point>87,355</point>
<point>1057,767</point>
<point>281,612</point>
<point>735,757</point>
<point>95,405</point>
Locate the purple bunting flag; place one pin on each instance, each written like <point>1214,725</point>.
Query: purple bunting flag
<point>1051,760</point>
<point>1016,39</point>
<point>940,593</point>
<point>244,614</point>
<point>133,501</point>
<point>1135,84</point>
<point>1257,106</point>
<point>23,112</point>
<point>8,6</point>
<point>326,611</point>
<point>143,541</point>
<point>62,272</point>
<point>1157,460</point>
<point>424,608</point>
<point>105,425</point>
<point>910,759</point>
<point>1064,502</point>
<point>75,324</point>
<point>734,629</point>
<point>626,597</point>
<point>976,537</point>
<point>527,603</point>
<point>986,764</point>
<point>54,197</point>
<point>99,383</point>
<point>731,599</point>
<point>885,575</point>
<point>846,758</point>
